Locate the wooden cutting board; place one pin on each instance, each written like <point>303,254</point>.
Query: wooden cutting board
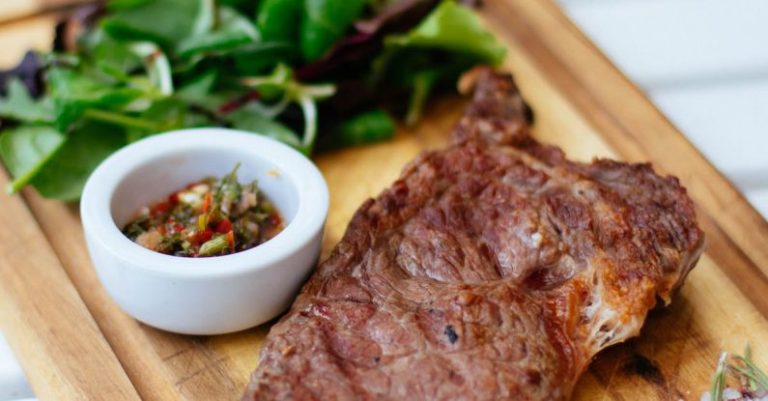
<point>18,9</point>
<point>76,344</point>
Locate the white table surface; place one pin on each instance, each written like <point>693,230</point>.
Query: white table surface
<point>704,63</point>
<point>13,385</point>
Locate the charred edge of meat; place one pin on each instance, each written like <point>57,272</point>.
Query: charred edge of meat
<point>451,334</point>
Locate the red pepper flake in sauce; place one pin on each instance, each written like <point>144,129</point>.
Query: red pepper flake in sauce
<point>210,217</point>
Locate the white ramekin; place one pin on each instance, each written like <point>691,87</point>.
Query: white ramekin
<point>211,295</point>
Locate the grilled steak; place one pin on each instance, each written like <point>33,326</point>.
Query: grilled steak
<point>494,269</point>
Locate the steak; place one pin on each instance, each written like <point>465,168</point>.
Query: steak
<point>494,269</point>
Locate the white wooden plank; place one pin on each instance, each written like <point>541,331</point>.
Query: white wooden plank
<point>728,123</point>
<point>759,199</point>
<point>672,42</point>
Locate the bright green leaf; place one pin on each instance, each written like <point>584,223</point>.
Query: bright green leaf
<point>247,119</point>
<point>74,92</point>
<point>165,22</point>
<point>63,176</point>
<point>446,43</point>
<point>324,22</point>
<point>197,90</point>
<point>277,19</point>
<point>26,149</point>
<point>423,82</point>
<point>281,81</point>
<point>19,105</point>
<point>168,115</point>
<point>454,28</point>
<point>256,58</point>
<point>113,57</point>
<point>232,31</point>
<point>367,127</point>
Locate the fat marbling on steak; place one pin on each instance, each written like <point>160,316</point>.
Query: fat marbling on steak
<point>494,269</point>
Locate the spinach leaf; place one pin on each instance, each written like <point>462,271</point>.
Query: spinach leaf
<point>26,149</point>
<point>166,115</point>
<point>282,83</point>
<point>64,174</point>
<point>233,29</point>
<point>423,82</point>
<point>324,22</point>
<point>203,95</point>
<point>165,22</point>
<point>277,19</point>
<point>108,54</point>
<point>18,105</point>
<point>367,127</point>
<point>255,58</point>
<point>454,28</point>
<point>247,7</point>
<point>74,92</point>
<point>197,91</point>
<point>249,119</point>
<point>447,42</point>
<point>260,57</point>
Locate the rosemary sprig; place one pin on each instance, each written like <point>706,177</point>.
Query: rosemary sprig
<point>756,378</point>
<point>718,380</point>
<point>751,384</point>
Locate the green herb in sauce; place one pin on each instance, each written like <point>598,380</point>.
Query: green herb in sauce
<point>210,217</point>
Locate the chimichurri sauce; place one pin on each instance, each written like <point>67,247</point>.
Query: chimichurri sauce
<point>210,217</point>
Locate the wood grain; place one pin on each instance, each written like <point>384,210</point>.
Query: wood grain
<point>582,104</point>
<point>126,336</point>
<point>18,9</point>
<point>46,323</point>
<point>19,36</point>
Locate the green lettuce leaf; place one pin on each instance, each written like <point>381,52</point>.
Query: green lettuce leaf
<point>453,28</point>
<point>64,174</point>
<point>26,149</point>
<point>232,30</point>
<point>446,43</point>
<point>18,105</point>
<point>75,92</point>
<point>248,119</point>
<point>165,22</point>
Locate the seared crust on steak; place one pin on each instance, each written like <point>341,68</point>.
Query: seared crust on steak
<point>494,269</point>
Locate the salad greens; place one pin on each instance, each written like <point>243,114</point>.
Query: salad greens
<point>27,149</point>
<point>447,42</point>
<point>19,105</point>
<point>309,73</point>
<point>282,84</point>
<point>276,19</point>
<point>323,22</point>
<point>373,125</point>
